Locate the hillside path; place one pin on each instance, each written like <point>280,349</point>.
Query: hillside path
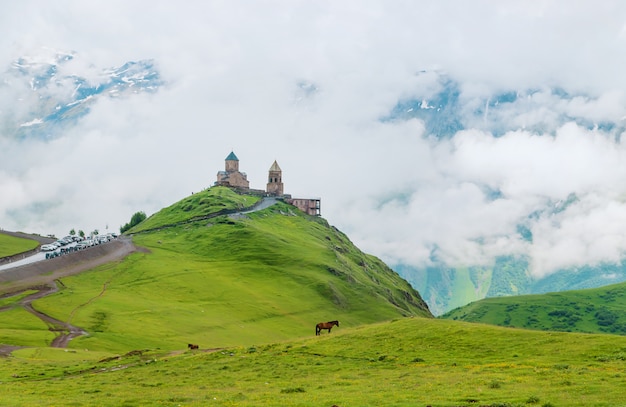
<point>42,276</point>
<point>64,331</point>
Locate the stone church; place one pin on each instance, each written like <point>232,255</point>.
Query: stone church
<point>232,177</point>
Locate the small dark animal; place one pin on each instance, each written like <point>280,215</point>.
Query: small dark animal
<point>325,325</point>
<point>192,346</point>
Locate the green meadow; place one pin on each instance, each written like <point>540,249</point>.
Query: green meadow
<point>10,245</point>
<point>404,362</point>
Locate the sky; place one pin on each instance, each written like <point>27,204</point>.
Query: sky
<point>307,83</point>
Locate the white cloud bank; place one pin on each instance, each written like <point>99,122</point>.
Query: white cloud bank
<point>235,72</point>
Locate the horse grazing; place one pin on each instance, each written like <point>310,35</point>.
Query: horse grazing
<point>325,325</point>
<point>192,346</point>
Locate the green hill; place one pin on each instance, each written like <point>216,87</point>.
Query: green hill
<point>221,281</point>
<point>10,245</point>
<point>591,310</point>
<point>406,362</point>
<point>199,206</point>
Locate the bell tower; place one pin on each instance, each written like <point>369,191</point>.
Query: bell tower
<point>275,180</point>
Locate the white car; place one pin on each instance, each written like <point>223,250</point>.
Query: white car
<point>47,247</point>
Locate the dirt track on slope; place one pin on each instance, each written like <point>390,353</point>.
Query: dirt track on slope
<point>42,276</point>
<point>64,331</point>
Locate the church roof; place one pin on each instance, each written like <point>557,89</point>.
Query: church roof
<point>232,157</point>
<point>275,167</point>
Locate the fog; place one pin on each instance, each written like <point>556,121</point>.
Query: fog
<point>307,84</point>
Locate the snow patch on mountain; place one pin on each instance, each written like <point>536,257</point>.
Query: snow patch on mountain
<point>44,94</point>
<point>446,107</point>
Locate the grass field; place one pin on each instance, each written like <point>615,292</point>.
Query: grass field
<point>405,362</point>
<point>10,245</point>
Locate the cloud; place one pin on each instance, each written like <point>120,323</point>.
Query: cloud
<point>307,84</point>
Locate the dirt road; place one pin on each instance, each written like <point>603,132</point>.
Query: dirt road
<point>42,276</point>
<point>46,271</point>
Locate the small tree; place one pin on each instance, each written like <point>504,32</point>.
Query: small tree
<point>72,232</point>
<point>81,233</point>
<point>136,219</point>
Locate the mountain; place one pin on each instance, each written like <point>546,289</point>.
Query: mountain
<point>446,106</point>
<point>53,90</point>
<point>592,311</point>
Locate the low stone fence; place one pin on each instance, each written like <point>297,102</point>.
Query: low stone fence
<point>19,256</point>
<point>205,217</point>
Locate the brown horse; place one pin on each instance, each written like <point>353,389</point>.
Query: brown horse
<point>325,325</point>
<point>192,346</point>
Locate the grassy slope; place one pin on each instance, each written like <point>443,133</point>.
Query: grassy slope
<point>269,276</point>
<point>10,245</point>
<point>406,362</point>
<point>198,205</point>
<point>591,310</point>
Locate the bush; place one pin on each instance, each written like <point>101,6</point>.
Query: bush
<point>293,390</point>
<point>532,400</point>
<point>494,384</point>
<point>604,317</point>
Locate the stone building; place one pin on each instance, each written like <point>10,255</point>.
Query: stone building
<point>275,180</point>
<point>231,176</point>
<point>310,206</point>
